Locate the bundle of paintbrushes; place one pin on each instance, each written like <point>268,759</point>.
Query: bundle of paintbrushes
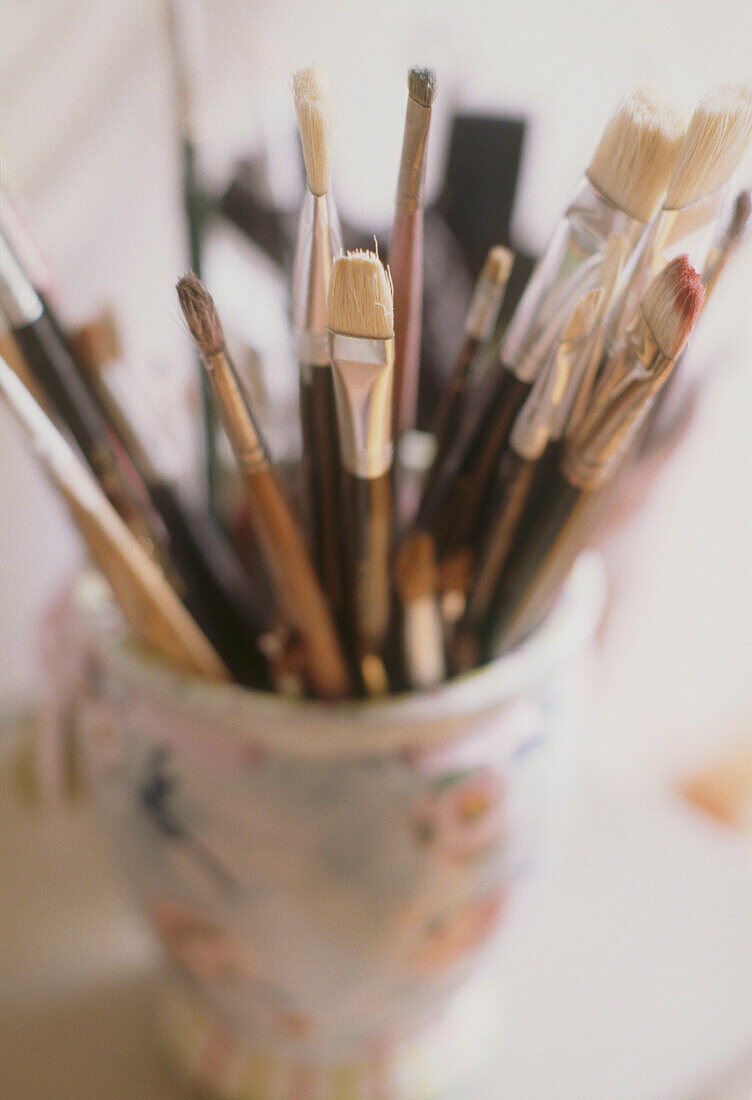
<point>529,434</point>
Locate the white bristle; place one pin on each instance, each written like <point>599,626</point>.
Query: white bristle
<point>716,140</point>
<point>316,125</point>
<point>360,297</point>
<point>672,303</point>
<point>637,152</point>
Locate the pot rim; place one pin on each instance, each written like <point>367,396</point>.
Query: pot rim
<point>288,726</point>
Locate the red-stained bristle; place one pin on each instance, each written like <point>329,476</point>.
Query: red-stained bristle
<point>672,304</point>
<point>688,295</point>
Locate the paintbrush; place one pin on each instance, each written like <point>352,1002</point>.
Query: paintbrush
<point>211,579</point>
<point>624,182</point>
<point>361,347</point>
<point>406,247</point>
<point>301,600</point>
<point>422,626</point>
<point>715,141</point>
<point>592,456</point>
<point>319,242</point>
<point>515,475</point>
<point>149,604</point>
<point>38,335</point>
<point>728,241</point>
<point>186,45</point>
<point>472,361</point>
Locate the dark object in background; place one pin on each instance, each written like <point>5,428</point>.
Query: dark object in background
<point>478,195</point>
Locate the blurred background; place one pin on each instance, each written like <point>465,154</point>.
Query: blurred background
<point>88,143</point>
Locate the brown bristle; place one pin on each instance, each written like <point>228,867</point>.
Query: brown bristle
<point>421,85</point>
<point>498,264</point>
<point>200,314</point>
<point>672,304</point>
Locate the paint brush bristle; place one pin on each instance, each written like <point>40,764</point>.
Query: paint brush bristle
<point>421,85</point>
<point>200,314</point>
<point>672,304</point>
<point>313,108</point>
<point>498,265</point>
<point>360,297</point>
<point>716,140</point>
<point>637,152</point>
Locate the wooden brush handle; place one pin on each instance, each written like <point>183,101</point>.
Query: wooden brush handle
<point>217,590</point>
<point>302,601</point>
<point>54,369</point>
<point>148,602</point>
<point>406,267</point>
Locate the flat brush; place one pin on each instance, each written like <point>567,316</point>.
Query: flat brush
<point>715,141</point>
<point>212,581</point>
<point>319,242</point>
<point>301,601</point>
<point>361,346</point>
<point>622,187</point>
<point>150,606</point>
<point>592,456</point>
<point>406,247</point>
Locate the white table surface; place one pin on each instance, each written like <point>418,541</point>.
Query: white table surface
<point>627,964</point>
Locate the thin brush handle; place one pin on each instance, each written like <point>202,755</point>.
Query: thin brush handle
<point>539,566</point>
<point>217,589</point>
<point>323,475</point>
<point>508,496</point>
<point>52,365</point>
<point>450,409</point>
<point>210,577</point>
<point>367,512</point>
<point>406,267</point>
<point>456,519</point>
<point>149,604</point>
<point>301,598</point>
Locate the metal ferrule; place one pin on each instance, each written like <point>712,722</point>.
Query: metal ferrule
<point>423,635</point>
<point>569,267</point>
<point>533,426</point>
<point>319,242</point>
<point>19,300</point>
<point>412,173</point>
<point>363,374</point>
<point>607,433</point>
<point>241,429</point>
<point>484,308</point>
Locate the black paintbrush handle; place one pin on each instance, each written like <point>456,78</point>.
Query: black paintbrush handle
<point>324,477</point>
<point>539,565</point>
<point>367,512</point>
<point>53,367</point>
<point>485,440</point>
<point>217,592</point>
